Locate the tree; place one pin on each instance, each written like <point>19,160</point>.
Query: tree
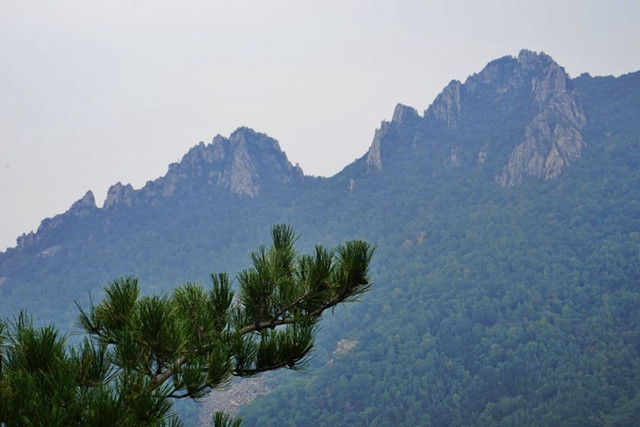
<point>141,352</point>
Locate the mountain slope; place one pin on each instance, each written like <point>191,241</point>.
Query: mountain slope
<point>494,305</point>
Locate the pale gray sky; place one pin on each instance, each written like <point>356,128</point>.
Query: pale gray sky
<point>96,92</point>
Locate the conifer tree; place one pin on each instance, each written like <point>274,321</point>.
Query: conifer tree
<point>141,352</point>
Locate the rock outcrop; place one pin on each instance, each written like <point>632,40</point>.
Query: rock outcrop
<point>403,116</point>
<point>446,107</point>
<point>119,195</point>
<point>374,155</point>
<point>553,139</point>
<point>232,398</point>
<point>244,164</point>
<point>85,206</point>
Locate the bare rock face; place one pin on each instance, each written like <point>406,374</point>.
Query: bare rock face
<point>402,115</point>
<point>231,399</point>
<point>119,195</point>
<point>241,176</point>
<point>552,140</point>
<point>244,164</point>
<point>84,206</point>
<point>374,155</point>
<point>519,116</point>
<point>446,107</point>
<point>251,161</point>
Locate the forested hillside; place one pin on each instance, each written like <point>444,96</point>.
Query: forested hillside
<point>498,306</point>
<point>507,273</point>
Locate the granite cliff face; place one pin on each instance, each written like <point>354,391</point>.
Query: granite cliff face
<point>243,164</point>
<point>374,155</point>
<point>552,140</point>
<point>119,195</point>
<point>403,115</point>
<point>530,98</point>
<point>446,107</point>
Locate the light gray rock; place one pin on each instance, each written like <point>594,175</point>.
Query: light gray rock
<point>119,195</point>
<point>446,107</point>
<point>553,139</point>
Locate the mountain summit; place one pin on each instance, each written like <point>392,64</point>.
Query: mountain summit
<point>521,114</point>
<point>243,164</point>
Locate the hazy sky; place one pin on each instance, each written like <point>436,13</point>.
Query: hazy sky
<point>96,92</point>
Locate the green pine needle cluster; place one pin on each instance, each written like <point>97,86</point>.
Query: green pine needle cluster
<point>143,351</point>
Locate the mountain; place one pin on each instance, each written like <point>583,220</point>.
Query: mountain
<point>522,117</point>
<point>507,221</point>
<point>243,164</point>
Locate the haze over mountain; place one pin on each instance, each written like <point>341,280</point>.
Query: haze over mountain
<point>96,93</point>
<point>507,220</point>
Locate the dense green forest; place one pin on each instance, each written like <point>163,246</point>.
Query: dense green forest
<point>490,305</point>
<point>498,306</point>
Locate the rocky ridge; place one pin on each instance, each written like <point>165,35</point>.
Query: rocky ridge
<point>247,162</point>
<point>244,164</point>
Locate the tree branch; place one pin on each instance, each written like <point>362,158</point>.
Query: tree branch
<point>158,380</point>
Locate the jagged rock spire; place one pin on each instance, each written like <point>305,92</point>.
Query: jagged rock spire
<point>402,115</point>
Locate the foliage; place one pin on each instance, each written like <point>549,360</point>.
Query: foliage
<point>142,351</point>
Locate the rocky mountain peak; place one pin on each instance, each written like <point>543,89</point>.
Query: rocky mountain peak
<point>244,163</point>
<point>526,102</point>
<point>403,116</point>
<point>552,138</point>
<point>241,177</point>
<point>84,206</point>
<point>119,195</point>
